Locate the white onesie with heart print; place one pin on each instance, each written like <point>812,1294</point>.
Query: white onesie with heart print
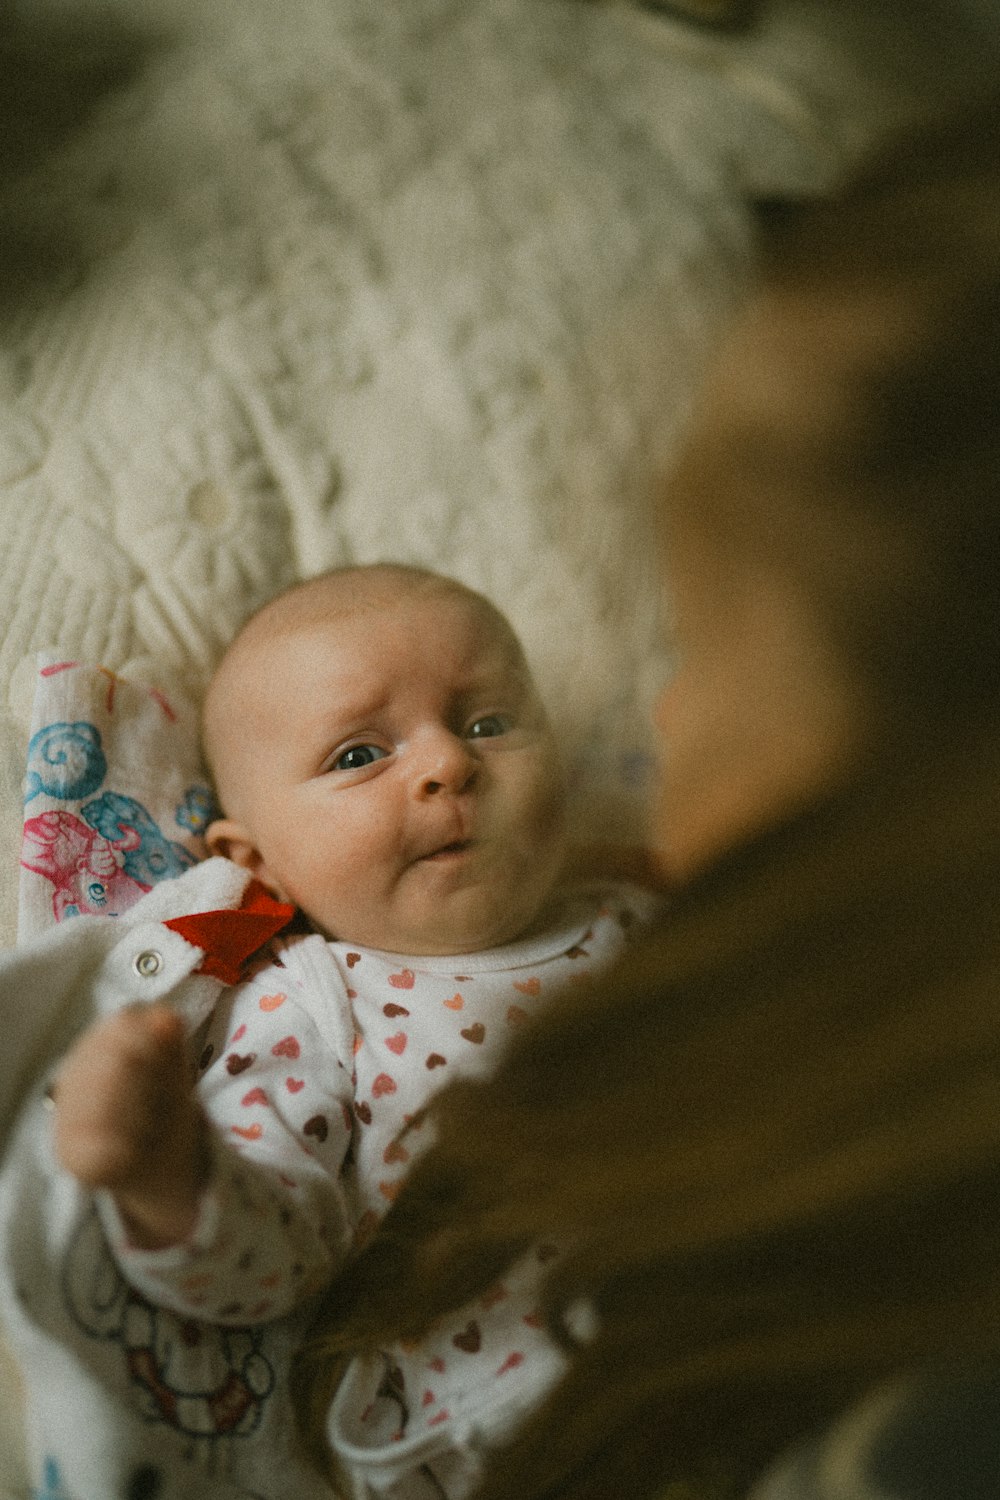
<point>316,1072</point>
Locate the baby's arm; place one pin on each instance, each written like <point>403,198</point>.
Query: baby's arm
<point>127,1121</point>
<point>224,1202</point>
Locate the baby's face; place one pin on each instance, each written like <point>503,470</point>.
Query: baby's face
<point>396,775</point>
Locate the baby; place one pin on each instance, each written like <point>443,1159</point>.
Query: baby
<point>386,766</point>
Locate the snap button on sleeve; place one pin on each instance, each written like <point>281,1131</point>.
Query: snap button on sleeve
<point>147,963</point>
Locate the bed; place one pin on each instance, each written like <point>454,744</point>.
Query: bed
<point>337,280</point>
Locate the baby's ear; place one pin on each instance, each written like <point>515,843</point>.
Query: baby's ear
<point>232,841</point>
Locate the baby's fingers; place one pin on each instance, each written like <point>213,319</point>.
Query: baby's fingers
<point>119,1093</point>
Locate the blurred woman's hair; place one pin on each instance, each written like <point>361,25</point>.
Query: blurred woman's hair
<point>771,1143</point>
<point>885,506</point>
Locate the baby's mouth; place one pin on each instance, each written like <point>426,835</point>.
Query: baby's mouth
<point>454,850</point>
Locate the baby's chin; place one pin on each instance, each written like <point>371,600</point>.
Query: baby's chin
<point>455,932</point>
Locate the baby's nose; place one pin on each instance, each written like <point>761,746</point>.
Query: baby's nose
<point>446,764</point>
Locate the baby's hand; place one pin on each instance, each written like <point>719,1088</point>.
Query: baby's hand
<point>127,1120</point>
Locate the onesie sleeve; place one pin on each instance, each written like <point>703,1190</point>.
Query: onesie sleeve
<point>274,1223</point>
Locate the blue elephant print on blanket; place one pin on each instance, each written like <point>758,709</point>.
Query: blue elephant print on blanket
<point>146,855</point>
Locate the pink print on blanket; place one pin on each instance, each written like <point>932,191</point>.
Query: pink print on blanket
<point>86,870</point>
<point>101,866</point>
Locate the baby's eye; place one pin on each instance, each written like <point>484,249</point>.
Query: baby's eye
<point>357,757</point>
<point>489,726</point>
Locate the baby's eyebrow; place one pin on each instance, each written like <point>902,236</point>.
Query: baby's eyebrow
<point>490,692</point>
<point>338,718</point>
<point>504,669</point>
<point>358,702</point>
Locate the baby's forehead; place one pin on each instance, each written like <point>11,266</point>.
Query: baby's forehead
<point>360,607</point>
<point>290,634</point>
<point>379,590</point>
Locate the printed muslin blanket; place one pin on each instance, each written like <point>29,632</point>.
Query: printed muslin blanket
<point>115,795</point>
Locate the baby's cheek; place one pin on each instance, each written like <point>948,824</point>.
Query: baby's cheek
<point>548,812</point>
<point>340,888</point>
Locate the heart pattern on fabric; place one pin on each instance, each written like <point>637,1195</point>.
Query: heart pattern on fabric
<point>238,1035</point>
<point>381,1111</point>
<point>237,1064</point>
<point>198,1281</point>
<point>248,1132</point>
<point>470,1339</point>
<point>206,1057</point>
